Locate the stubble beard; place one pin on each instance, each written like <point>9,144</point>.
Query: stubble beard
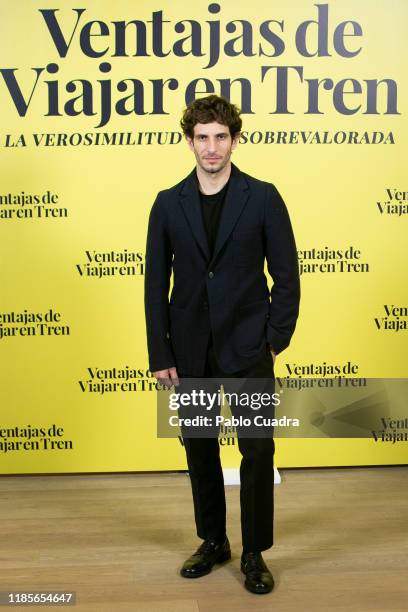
<point>214,170</point>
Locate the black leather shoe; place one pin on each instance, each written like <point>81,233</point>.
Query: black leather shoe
<point>205,557</point>
<point>258,578</point>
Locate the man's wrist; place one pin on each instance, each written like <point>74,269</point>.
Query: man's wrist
<point>270,348</point>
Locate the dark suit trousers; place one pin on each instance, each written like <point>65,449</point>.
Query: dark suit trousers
<point>256,472</point>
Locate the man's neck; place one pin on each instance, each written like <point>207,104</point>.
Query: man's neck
<point>212,183</point>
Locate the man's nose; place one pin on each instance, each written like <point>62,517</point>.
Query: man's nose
<point>212,145</point>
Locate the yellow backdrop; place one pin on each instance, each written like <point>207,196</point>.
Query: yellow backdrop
<point>75,199</point>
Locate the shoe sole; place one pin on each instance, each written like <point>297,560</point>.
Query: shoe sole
<point>224,557</point>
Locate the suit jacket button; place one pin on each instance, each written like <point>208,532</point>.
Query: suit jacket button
<point>211,275</point>
<point>205,305</point>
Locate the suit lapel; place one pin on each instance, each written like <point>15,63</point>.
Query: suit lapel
<point>190,202</point>
<point>235,200</point>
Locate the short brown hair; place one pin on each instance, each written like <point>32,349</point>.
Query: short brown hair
<point>209,109</point>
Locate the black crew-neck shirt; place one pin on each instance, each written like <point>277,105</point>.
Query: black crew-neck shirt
<point>211,208</point>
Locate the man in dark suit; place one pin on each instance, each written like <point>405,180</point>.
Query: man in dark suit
<point>213,231</point>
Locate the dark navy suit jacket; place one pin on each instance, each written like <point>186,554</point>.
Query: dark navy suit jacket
<point>227,294</point>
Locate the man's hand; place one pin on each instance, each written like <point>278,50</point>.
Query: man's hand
<point>168,377</point>
<point>272,353</point>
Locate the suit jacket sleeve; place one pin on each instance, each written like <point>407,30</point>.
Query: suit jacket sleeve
<point>282,262</point>
<point>157,284</point>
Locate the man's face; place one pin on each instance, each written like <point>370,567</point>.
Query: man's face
<point>212,146</point>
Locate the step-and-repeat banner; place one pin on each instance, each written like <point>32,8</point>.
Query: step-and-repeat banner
<point>91,95</point>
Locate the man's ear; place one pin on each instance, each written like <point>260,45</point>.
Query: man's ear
<point>190,142</point>
<point>235,140</point>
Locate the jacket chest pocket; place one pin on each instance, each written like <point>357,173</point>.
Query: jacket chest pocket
<point>248,248</point>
